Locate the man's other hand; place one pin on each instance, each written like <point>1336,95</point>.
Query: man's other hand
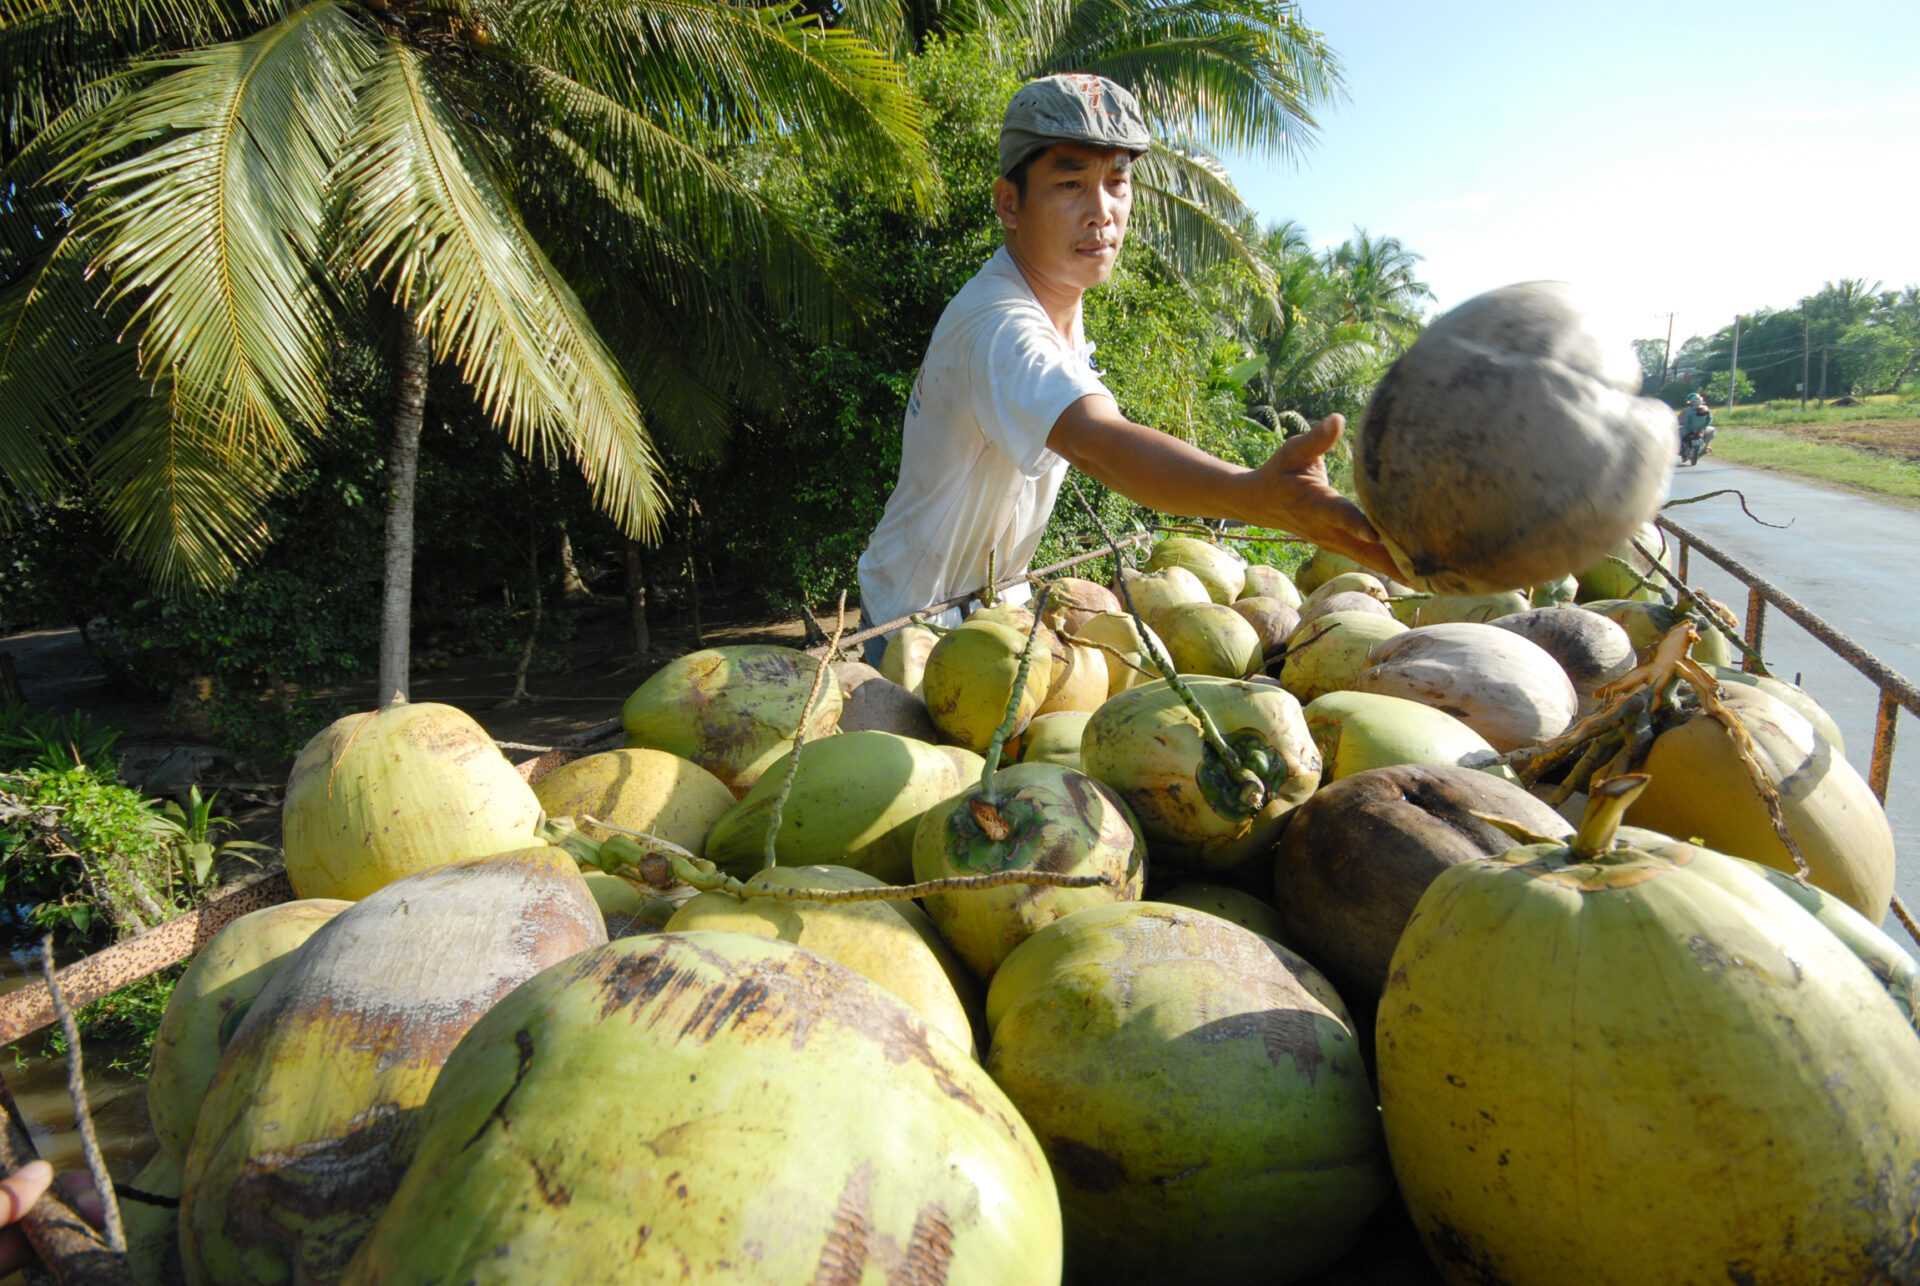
<point>18,1192</point>
<point>1292,486</point>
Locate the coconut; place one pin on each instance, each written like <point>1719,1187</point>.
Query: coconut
<point>1647,623</point>
<point>294,1155</point>
<point>1203,1104</point>
<point>1636,580</point>
<point>1236,905</point>
<point>887,707</point>
<point>1208,638</point>
<point>1272,620</point>
<point>1193,810</point>
<point>1439,609</point>
<point>970,676</point>
<point>799,1124</point>
<point>1073,600</point>
<point>624,909</point>
<point>638,790</point>
<point>732,710</point>
<point>1322,566</point>
<point>877,940</point>
<point>1043,818</point>
<point>1702,789</point>
<point>379,795</point>
<point>1154,592</point>
<point>1552,593</point>
<point>905,658</point>
<point>1349,601</point>
<point>1508,446</point>
<point>1222,570</point>
<point>1505,688</point>
<point>1270,582</point>
<point>1593,650</point>
<point>1731,1086</point>
<point>1358,855</point>
<point>209,1001</point>
<point>152,1229</point>
<point>1346,583</point>
<point>1356,731</point>
<point>1080,680</point>
<point>1328,654</point>
<point>853,675</point>
<point>855,802</point>
<point>1780,690</point>
<point>1054,739</point>
<point>1118,637</point>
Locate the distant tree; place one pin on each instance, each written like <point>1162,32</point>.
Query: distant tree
<point>1653,363</point>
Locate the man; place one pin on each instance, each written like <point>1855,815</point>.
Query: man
<point>1696,429</point>
<point>1007,398</point>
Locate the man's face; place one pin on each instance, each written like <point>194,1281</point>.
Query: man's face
<point>1070,225</point>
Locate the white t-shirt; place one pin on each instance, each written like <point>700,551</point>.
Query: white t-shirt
<point>976,476</point>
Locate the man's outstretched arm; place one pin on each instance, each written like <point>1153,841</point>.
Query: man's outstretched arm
<point>1290,491</point>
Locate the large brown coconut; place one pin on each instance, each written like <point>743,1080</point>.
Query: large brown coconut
<point>1357,856</point>
<point>1592,649</point>
<point>1509,446</point>
<point>1502,686</point>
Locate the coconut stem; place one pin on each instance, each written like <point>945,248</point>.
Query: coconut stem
<point>1253,787</point>
<point>1607,803</point>
<point>1712,617</point>
<point>800,733</point>
<point>1005,730</point>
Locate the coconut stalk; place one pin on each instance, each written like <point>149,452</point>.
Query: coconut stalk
<point>800,732</point>
<point>1000,734</point>
<point>1713,618</point>
<point>77,1091</point>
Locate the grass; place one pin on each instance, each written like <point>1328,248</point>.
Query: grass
<point>1847,466</point>
<point>1763,414</point>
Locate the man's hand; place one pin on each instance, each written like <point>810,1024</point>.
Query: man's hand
<point>18,1192</point>
<point>1291,490</point>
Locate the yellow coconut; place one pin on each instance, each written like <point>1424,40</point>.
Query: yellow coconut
<point>380,795</point>
<point>1702,790</point>
<point>1119,639</point>
<point>1154,592</point>
<point>874,939</point>
<point>732,710</point>
<point>640,790</point>
<point>1080,680</point>
<point>1779,689</point>
<point>1270,582</point>
<point>1356,731</point>
<point>970,677</point>
<point>1221,569</point>
<point>1328,654</point>
<point>1210,638</point>
<point>905,660</point>
<point>1054,739</point>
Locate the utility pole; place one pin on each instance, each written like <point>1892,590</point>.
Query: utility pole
<point>1824,350</point>
<point>1803,354</point>
<point>1666,357</point>
<point>1733,371</point>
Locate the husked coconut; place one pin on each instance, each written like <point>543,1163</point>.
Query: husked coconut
<point>1593,650</point>
<point>1505,688</point>
<point>1271,619</point>
<point>1270,582</point>
<point>1509,445</point>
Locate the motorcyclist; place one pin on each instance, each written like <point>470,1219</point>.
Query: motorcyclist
<point>1696,429</point>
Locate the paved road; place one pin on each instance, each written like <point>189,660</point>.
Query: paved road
<point>1851,560</point>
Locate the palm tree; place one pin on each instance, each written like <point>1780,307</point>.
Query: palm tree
<point>186,238</point>
<point>1379,286</point>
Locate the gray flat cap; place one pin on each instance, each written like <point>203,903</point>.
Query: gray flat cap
<point>1072,108</point>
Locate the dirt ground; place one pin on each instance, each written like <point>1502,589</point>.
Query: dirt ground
<point>1897,438</point>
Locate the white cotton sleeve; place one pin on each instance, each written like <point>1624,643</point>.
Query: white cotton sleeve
<point>1022,378</point>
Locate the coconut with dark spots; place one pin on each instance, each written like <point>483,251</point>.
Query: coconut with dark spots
<point>301,1135</point>
<point>1603,1064</point>
<point>382,794</point>
<point>719,1107</point>
<point>1593,650</point>
<point>646,790</point>
<point>208,1003</point>
<point>1042,817</point>
<point>732,710</point>
<point>855,802</point>
<point>1199,1091</point>
<point>1194,808</point>
<point>1358,855</point>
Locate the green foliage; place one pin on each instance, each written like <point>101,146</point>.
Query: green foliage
<point>1716,388</point>
<point>118,1030</point>
<point>86,855</point>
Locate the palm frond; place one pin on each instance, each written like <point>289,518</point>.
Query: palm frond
<point>211,234</point>
<point>1188,212</point>
<point>48,325</point>
<point>433,225</point>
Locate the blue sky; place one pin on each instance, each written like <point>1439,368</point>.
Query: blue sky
<point>1690,157</point>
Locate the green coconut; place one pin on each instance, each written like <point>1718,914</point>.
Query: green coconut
<point>753,1113</point>
<point>877,940</point>
<point>207,1004</point>
<point>1073,600</point>
<point>1043,818</point>
<point>1636,579</point>
<point>1328,654</point>
<point>855,802</point>
<point>1237,905</point>
<point>1208,638</point>
<point>624,908</point>
<point>1438,609</point>
<point>1780,690</point>
<point>1270,582</point>
<point>300,1135</point>
<point>1205,1109</point>
<point>1554,593</point>
<point>970,677</point>
<point>905,658</point>
<point>1356,731</point>
<point>640,790</point>
<point>732,710</point>
<point>1322,566</point>
<point>1221,569</point>
<point>1599,1064</point>
<point>1054,739</point>
<point>1193,809</point>
<point>1647,623</point>
<point>1153,592</point>
<point>379,795</point>
<point>1702,789</point>
<point>1118,638</point>
<point>1346,583</point>
<point>153,1230</point>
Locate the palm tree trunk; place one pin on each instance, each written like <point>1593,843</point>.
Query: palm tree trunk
<point>403,467</point>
